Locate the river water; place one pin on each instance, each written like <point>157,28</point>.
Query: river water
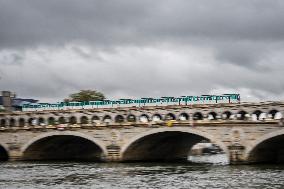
<point>139,175</point>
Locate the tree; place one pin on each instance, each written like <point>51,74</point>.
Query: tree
<point>2,109</point>
<point>85,95</point>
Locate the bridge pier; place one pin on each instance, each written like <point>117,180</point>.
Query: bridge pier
<point>15,156</point>
<point>237,152</point>
<point>113,154</point>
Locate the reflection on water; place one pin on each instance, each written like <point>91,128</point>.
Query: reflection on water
<point>138,175</point>
<point>221,159</point>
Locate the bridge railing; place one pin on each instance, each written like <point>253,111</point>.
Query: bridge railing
<point>143,102</point>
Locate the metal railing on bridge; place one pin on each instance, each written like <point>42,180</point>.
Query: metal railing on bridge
<point>163,101</point>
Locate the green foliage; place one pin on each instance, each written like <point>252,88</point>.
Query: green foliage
<point>85,95</point>
<point>2,109</point>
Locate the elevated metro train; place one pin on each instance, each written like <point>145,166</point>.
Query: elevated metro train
<point>163,101</point>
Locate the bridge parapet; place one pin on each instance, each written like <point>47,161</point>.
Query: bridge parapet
<point>198,113</point>
<point>151,124</point>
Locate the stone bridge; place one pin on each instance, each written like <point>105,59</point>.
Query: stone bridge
<point>246,132</point>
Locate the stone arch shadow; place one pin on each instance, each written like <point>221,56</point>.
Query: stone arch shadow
<point>35,143</point>
<point>253,152</point>
<point>199,135</point>
<point>4,152</point>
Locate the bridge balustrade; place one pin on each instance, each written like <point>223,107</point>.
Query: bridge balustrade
<point>103,118</point>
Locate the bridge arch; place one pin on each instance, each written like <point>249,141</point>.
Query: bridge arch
<point>212,116</point>
<point>157,117</point>
<point>170,116</point>
<point>51,121</point>
<point>242,115</point>
<point>95,119</point>
<point>268,148</point>
<point>41,121</point>
<point>84,119</point>
<point>22,122</point>
<point>73,120</point>
<point>4,152</point>
<point>131,118</point>
<point>183,116</point>
<point>144,118</point>
<point>165,144</point>
<point>61,120</point>
<point>3,123</point>
<point>256,115</point>
<point>12,122</point>
<point>119,118</point>
<point>107,119</point>
<point>30,121</point>
<point>275,114</point>
<point>197,116</point>
<point>64,145</point>
<point>227,115</point>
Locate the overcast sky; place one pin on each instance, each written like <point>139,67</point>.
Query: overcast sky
<point>149,48</point>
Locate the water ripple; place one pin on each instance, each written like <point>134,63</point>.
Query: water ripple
<point>57,175</point>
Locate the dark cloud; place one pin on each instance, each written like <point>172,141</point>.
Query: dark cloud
<point>137,48</point>
<point>33,22</point>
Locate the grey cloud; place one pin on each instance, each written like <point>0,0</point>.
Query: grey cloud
<point>11,58</point>
<point>134,72</point>
<point>107,24</point>
<point>245,54</point>
<point>31,22</point>
<point>239,36</point>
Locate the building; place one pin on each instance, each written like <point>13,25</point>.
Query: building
<point>9,101</point>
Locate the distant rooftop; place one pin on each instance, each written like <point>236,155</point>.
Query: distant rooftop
<point>10,102</point>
